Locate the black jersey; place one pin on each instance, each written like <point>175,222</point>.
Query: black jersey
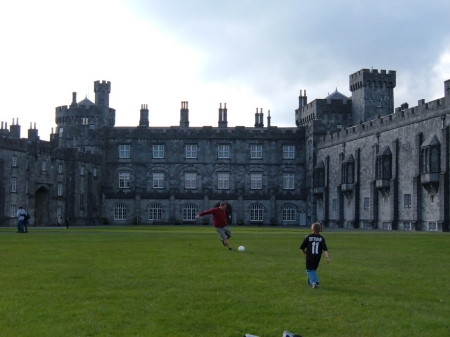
<point>315,245</point>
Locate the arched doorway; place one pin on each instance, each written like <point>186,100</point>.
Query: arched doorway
<point>228,211</point>
<point>41,212</point>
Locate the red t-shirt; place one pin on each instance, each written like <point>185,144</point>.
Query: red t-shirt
<point>219,216</point>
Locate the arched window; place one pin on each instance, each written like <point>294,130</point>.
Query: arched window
<point>120,211</point>
<point>155,211</point>
<point>189,212</point>
<point>256,212</point>
<point>289,212</point>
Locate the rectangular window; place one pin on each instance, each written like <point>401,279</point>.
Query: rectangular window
<point>432,226</point>
<point>289,213</point>
<point>158,151</point>
<point>288,151</point>
<point>366,202</point>
<point>13,184</point>
<point>12,211</point>
<point>367,225</point>
<point>58,212</point>
<point>60,132</point>
<point>256,181</point>
<point>190,181</point>
<point>288,181</point>
<point>386,225</point>
<point>407,226</point>
<point>124,180</point>
<point>81,201</point>
<point>26,187</point>
<point>256,151</point>
<point>158,180</point>
<point>82,170</point>
<point>223,151</point>
<point>124,151</point>
<point>44,166</point>
<point>60,168</point>
<point>14,161</point>
<point>407,200</point>
<point>191,151</point>
<point>59,189</point>
<point>223,181</point>
<point>94,173</point>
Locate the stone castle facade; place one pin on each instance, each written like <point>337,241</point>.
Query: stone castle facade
<point>352,162</point>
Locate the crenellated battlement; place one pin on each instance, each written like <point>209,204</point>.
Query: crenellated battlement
<point>372,78</point>
<point>401,117</point>
<point>103,86</point>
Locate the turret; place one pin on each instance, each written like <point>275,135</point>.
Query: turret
<point>102,90</point>
<point>372,94</point>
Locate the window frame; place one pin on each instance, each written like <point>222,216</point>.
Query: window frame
<point>124,151</point>
<point>256,151</point>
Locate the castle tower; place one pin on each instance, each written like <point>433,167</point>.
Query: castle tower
<point>143,122</point>
<point>372,94</point>
<point>184,115</point>
<point>223,122</point>
<point>102,90</point>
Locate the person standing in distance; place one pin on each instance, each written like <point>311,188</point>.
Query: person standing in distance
<point>312,246</point>
<point>20,219</point>
<point>220,222</point>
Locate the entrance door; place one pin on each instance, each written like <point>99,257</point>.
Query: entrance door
<point>41,212</point>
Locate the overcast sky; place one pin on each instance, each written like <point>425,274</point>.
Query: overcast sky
<point>248,54</point>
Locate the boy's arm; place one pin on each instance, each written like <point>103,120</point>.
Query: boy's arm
<point>327,256</point>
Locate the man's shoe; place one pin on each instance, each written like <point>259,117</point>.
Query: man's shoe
<point>314,285</point>
<point>230,249</point>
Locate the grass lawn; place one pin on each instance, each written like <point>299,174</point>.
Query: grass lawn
<point>180,281</point>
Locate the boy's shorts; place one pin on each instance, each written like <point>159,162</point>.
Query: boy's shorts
<point>224,232</point>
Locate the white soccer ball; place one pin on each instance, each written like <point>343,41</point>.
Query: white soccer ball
<point>241,248</point>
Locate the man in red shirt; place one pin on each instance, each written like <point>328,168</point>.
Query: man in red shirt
<point>220,222</point>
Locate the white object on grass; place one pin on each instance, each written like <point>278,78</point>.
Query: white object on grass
<point>241,248</point>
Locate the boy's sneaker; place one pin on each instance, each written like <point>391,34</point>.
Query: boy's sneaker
<point>230,249</point>
<point>314,285</point>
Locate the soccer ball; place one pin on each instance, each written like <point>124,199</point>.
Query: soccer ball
<point>241,248</point>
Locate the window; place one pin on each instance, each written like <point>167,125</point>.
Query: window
<point>347,170</point>
<point>432,226</point>
<point>289,212</point>
<point>256,181</point>
<point>124,151</point>
<point>407,226</point>
<point>12,211</point>
<point>27,164</point>
<point>158,151</point>
<point>407,200</point>
<point>288,181</point>
<point>223,151</point>
<point>288,151</point>
<point>189,212</point>
<point>59,189</point>
<point>44,166</point>
<point>223,181</point>
<point>82,170</point>
<point>191,151</point>
<point>120,211</point>
<point>158,180</point>
<point>430,154</point>
<point>386,225</point>
<point>60,168</point>
<point>155,211</point>
<point>84,120</point>
<point>60,131</point>
<point>378,104</point>
<point>319,174</point>
<point>190,180</point>
<point>14,161</point>
<point>334,204</point>
<point>256,212</point>
<point>81,201</point>
<point>13,184</point>
<point>124,180</point>
<point>366,202</point>
<point>367,225</point>
<point>58,211</point>
<point>94,172</point>
<point>256,151</point>
<point>26,187</point>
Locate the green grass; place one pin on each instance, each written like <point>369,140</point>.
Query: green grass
<point>180,281</point>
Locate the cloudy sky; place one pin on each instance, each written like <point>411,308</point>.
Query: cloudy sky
<point>246,53</point>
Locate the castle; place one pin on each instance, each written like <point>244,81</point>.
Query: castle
<point>351,162</point>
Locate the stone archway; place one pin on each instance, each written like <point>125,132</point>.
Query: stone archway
<point>41,211</point>
<point>229,212</point>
